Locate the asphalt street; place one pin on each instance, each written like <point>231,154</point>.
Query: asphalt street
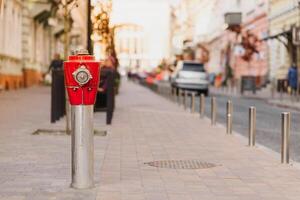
<point>268,121</point>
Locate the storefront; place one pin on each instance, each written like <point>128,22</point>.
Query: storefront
<point>284,15</point>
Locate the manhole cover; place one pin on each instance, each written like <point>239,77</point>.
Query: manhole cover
<point>63,132</point>
<point>181,164</point>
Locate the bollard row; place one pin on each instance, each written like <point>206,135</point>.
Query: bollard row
<point>181,97</point>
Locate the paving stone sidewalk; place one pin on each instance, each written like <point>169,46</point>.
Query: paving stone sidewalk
<point>146,127</point>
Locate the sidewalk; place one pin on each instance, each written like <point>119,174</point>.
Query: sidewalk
<point>146,127</point>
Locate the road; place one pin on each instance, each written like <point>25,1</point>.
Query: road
<point>268,121</point>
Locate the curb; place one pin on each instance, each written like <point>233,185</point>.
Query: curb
<point>239,96</point>
<point>281,105</point>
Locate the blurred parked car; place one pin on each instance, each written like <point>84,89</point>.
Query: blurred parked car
<point>192,76</point>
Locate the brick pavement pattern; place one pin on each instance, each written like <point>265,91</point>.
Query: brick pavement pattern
<point>146,127</point>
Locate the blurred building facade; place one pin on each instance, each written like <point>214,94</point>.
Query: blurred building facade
<point>11,44</point>
<point>129,43</point>
<point>283,16</point>
<point>182,23</point>
<point>149,34</point>
<point>32,33</point>
<point>255,23</point>
<point>225,46</point>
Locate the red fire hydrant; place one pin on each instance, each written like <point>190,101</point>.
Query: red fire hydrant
<point>82,81</point>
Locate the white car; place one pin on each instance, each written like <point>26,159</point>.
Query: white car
<point>190,75</point>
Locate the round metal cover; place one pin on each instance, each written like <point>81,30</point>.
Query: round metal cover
<point>82,75</point>
<point>63,132</point>
<point>181,164</point>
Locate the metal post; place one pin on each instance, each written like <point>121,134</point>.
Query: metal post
<point>170,91</point>
<point>89,27</point>
<point>202,105</point>
<point>68,113</point>
<point>179,96</point>
<point>193,102</point>
<point>229,117</point>
<point>178,93</point>
<point>185,99</point>
<point>66,51</point>
<point>273,89</point>
<point>285,136</point>
<point>166,92</point>
<point>174,95</point>
<point>213,111</point>
<point>252,126</point>
<point>82,146</point>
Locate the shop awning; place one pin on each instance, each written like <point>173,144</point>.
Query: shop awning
<point>277,36</point>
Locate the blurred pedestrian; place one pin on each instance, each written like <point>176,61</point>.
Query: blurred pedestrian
<point>56,63</point>
<point>293,78</point>
<point>58,100</point>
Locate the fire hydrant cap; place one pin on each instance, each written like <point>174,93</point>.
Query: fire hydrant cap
<point>82,52</point>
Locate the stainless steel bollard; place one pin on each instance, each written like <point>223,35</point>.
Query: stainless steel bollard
<point>273,89</point>
<point>281,94</point>
<point>193,102</point>
<point>285,137</point>
<point>82,146</point>
<point>185,100</point>
<point>252,126</point>
<point>170,94</point>
<point>229,117</point>
<point>213,111</point>
<point>174,95</point>
<point>179,97</point>
<point>202,105</point>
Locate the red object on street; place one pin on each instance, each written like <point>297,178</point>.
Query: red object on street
<point>82,74</point>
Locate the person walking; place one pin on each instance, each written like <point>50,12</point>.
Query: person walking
<point>293,79</point>
<point>56,63</point>
<point>106,90</point>
<point>58,100</point>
